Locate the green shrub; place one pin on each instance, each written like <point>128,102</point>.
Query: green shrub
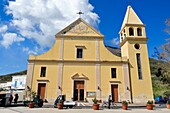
<point>150,102</point>
<point>95,100</point>
<point>167,93</point>
<point>125,102</point>
<point>168,102</point>
<point>60,101</point>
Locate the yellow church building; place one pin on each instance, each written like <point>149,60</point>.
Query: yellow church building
<point>81,67</point>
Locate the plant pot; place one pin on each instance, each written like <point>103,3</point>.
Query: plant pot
<point>168,106</point>
<point>124,106</point>
<point>31,105</point>
<point>96,106</point>
<point>149,106</point>
<point>60,105</point>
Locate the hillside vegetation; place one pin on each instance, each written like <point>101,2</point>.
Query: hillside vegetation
<point>8,77</point>
<point>159,87</point>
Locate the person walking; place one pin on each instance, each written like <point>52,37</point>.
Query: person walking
<point>10,99</point>
<point>16,98</point>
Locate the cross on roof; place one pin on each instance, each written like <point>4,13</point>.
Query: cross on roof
<point>80,13</point>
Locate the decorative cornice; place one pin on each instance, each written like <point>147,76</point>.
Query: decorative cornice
<point>68,36</point>
<point>133,39</point>
<point>143,25</point>
<point>43,79</point>
<point>115,81</point>
<point>77,61</point>
<point>80,76</point>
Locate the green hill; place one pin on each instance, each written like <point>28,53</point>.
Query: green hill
<point>8,77</point>
<point>159,88</point>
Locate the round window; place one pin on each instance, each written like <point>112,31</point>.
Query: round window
<point>137,46</point>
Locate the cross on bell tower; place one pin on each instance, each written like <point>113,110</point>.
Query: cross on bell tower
<point>80,13</point>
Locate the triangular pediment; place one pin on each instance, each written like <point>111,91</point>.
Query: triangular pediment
<point>79,28</point>
<point>79,76</point>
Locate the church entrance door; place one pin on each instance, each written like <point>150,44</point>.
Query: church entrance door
<point>41,90</point>
<point>114,89</point>
<point>78,91</point>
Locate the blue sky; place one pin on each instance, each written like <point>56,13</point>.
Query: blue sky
<point>28,27</point>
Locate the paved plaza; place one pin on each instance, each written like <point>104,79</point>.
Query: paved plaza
<point>55,110</point>
<point>84,108</point>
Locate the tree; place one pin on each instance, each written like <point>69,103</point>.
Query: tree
<point>167,29</point>
<point>163,54</point>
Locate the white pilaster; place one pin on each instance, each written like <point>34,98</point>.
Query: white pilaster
<point>98,71</point>
<point>30,73</point>
<point>60,77</point>
<point>98,82</point>
<point>61,48</point>
<point>127,95</point>
<point>97,50</point>
<point>60,68</point>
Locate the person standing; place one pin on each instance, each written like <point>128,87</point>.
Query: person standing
<point>10,99</point>
<point>109,101</point>
<point>16,98</point>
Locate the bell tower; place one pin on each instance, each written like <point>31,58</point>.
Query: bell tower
<point>133,43</point>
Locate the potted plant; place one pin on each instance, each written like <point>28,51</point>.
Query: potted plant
<point>95,105</point>
<point>168,104</point>
<point>149,105</point>
<point>124,105</point>
<point>60,104</point>
<point>31,96</point>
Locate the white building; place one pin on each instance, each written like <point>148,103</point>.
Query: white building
<point>6,86</point>
<point>17,85</point>
<point>3,85</point>
<point>18,82</point>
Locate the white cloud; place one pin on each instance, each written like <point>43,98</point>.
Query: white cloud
<point>3,28</point>
<point>115,41</point>
<point>26,49</point>
<point>40,20</point>
<point>9,39</point>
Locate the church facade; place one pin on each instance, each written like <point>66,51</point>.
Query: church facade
<point>82,68</point>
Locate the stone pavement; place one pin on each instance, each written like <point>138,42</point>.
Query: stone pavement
<point>55,110</point>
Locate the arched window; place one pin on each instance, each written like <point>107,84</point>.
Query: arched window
<point>139,31</point>
<point>131,32</point>
<point>121,37</point>
<point>124,33</point>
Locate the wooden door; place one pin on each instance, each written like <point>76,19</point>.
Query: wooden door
<point>114,89</point>
<point>81,94</point>
<point>79,90</point>
<point>41,90</point>
<point>75,94</point>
